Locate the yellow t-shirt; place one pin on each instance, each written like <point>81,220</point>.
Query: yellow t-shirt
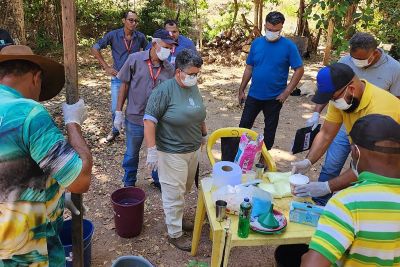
<point>373,101</point>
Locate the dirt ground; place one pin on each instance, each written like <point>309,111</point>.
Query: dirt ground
<point>219,89</point>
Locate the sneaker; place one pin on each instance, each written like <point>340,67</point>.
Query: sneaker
<point>296,92</point>
<point>187,225</point>
<point>156,185</point>
<point>182,242</point>
<point>111,136</point>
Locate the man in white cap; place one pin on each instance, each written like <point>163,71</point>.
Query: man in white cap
<point>37,164</point>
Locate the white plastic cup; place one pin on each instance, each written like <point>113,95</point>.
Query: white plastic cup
<point>296,180</point>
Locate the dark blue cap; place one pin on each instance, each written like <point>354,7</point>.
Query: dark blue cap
<point>373,128</point>
<point>331,79</point>
<point>165,36</point>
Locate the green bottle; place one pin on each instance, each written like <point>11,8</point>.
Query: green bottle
<point>244,218</point>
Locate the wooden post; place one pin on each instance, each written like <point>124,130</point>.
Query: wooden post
<point>71,84</point>
<point>329,37</point>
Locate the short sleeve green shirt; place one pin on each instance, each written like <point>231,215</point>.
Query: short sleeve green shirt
<point>178,113</point>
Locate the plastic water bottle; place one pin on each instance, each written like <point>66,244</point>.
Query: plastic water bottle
<point>244,218</point>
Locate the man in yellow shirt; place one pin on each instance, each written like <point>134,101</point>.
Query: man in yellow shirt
<point>349,99</point>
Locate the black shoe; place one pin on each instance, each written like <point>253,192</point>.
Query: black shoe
<point>296,92</point>
<point>156,185</point>
<point>111,137</point>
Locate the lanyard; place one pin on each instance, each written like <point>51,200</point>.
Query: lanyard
<point>130,45</point>
<point>173,50</point>
<point>153,78</point>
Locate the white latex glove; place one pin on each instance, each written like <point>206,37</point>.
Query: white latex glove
<point>313,121</point>
<point>75,113</point>
<point>69,204</point>
<point>152,158</point>
<point>119,120</point>
<point>313,189</point>
<point>301,166</point>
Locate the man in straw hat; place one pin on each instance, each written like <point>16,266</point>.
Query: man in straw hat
<point>360,225</point>
<point>36,162</point>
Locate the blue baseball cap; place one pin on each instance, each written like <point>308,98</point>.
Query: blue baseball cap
<point>165,36</point>
<point>331,79</point>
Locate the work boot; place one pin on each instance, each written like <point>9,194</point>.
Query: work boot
<point>111,137</point>
<point>182,242</point>
<point>187,225</point>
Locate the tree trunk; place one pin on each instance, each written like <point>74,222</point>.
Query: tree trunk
<point>329,37</point>
<point>12,19</point>
<point>260,15</point>
<point>235,12</point>
<point>300,19</point>
<point>349,21</point>
<point>170,4</point>
<point>256,12</point>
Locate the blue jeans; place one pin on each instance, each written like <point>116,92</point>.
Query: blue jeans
<point>115,85</point>
<point>335,159</point>
<point>134,134</point>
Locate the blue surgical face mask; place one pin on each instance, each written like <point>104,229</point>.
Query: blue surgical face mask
<point>354,167</point>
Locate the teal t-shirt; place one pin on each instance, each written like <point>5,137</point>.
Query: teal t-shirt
<point>36,164</point>
<point>179,113</point>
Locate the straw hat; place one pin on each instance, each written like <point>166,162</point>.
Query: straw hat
<point>53,72</point>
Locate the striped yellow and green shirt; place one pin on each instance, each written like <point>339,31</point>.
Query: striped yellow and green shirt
<point>36,164</point>
<point>360,225</point>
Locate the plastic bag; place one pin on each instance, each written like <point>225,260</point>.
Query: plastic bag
<point>275,177</point>
<point>277,190</point>
<point>233,195</point>
<point>248,151</point>
<point>261,201</point>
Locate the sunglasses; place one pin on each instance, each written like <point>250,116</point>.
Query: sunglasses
<point>133,20</point>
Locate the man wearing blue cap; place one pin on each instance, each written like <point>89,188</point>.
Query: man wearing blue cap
<point>349,99</point>
<point>140,74</point>
<point>368,62</point>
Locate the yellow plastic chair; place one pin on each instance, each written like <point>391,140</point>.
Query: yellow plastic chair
<point>237,132</point>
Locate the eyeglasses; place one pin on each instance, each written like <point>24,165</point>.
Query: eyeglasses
<point>192,75</point>
<point>133,21</point>
<point>342,90</point>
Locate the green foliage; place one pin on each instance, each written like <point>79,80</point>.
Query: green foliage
<point>95,17</point>
<point>152,16</point>
<point>382,17</point>
<point>387,26</point>
<point>224,22</point>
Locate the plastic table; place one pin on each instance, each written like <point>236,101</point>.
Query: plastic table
<point>224,234</point>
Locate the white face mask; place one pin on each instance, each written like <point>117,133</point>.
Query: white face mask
<point>341,103</point>
<point>163,54</point>
<point>361,63</point>
<point>190,80</point>
<point>272,36</point>
<point>354,168</point>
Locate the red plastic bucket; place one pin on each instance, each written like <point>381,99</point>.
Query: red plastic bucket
<point>128,205</point>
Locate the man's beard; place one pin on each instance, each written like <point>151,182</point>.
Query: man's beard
<point>354,105</point>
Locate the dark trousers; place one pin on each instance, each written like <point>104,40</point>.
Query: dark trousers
<point>252,107</point>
